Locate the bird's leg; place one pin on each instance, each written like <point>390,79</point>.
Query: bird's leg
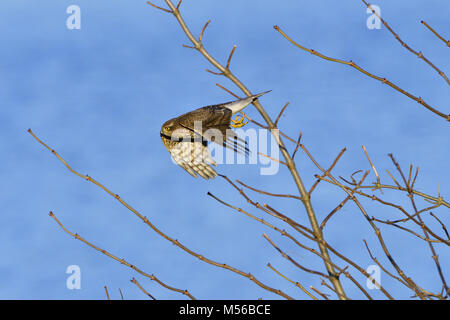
<point>238,122</point>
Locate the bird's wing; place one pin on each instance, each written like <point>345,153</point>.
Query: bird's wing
<point>209,117</point>
<point>238,105</point>
<point>195,158</point>
<point>215,126</point>
<point>231,140</point>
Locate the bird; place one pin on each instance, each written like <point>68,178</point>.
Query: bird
<point>186,137</point>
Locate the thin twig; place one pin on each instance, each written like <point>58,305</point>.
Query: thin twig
<point>229,57</point>
<point>266,223</point>
<point>327,171</point>
<point>155,6</point>
<point>323,283</point>
<point>200,38</point>
<point>178,5</point>
<point>268,193</point>
<point>323,295</point>
<point>415,177</point>
<point>293,282</point>
<point>107,294</point>
<point>373,168</point>
<point>322,225</point>
<point>286,256</point>
<point>394,224</point>
<point>213,72</point>
<point>281,112</point>
<point>400,208</point>
<point>392,177</point>
<point>142,289</point>
<point>443,225</point>
<point>271,158</point>
<point>447,42</point>
<point>383,268</point>
<point>297,144</point>
<point>270,210</point>
<point>229,91</point>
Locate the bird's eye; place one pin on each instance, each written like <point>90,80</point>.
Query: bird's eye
<point>167,128</point>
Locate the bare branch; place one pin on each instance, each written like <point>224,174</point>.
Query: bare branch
<point>411,283</point>
<point>203,30</point>
<point>297,144</point>
<point>229,57</point>
<point>271,158</point>
<point>141,288</point>
<point>107,294</point>
<point>443,225</point>
<point>394,224</point>
<point>215,73</point>
<point>270,210</point>
<point>225,89</point>
<point>189,47</point>
<point>284,255</point>
<point>415,177</point>
<point>381,266</point>
<point>284,233</point>
<point>122,261</point>
<point>418,54</point>
<point>158,231</point>
<point>373,197</point>
<point>430,244</point>
<point>392,177</point>
<point>323,283</point>
<point>155,6</point>
<point>373,168</point>
<point>281,112</point>
<point>323,295</point>
<point>328,171</point>
<point>354,65</point>
<point>322,225</point>
<point>178,5</point>
<point>295,283</point>
<point>268,193</point>
<point>295,225</point>
<point>447,42</point>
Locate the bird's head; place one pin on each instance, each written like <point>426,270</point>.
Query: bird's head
<point>167,128</point>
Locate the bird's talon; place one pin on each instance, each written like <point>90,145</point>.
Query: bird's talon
<point>238,122</point>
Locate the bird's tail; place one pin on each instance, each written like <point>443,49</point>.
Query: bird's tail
<point>238,105</point>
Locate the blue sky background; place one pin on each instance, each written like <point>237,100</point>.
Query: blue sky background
<point>100,94</point>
